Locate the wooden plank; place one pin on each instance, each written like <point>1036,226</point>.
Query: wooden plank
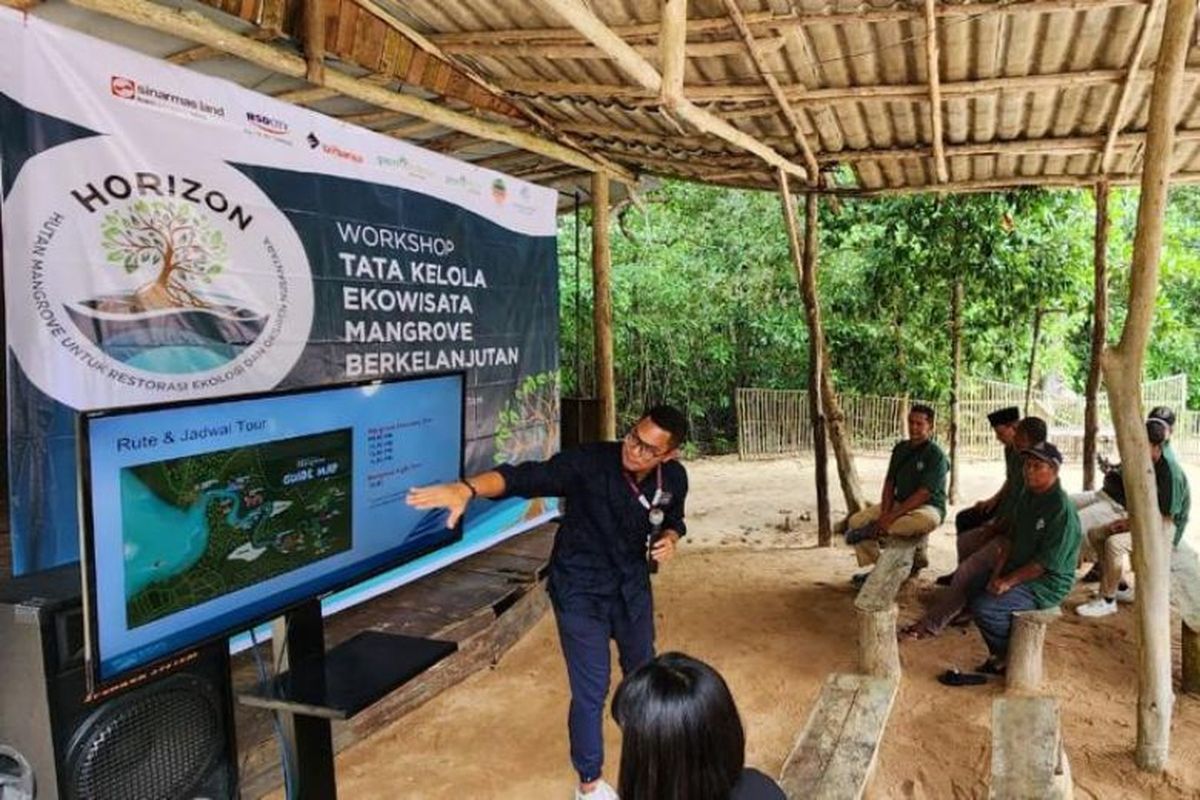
<point>835,753</point>
<point>1026,749</point>
<point>878,593</point>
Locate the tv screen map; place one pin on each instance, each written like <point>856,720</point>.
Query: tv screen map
<point>198,527</point>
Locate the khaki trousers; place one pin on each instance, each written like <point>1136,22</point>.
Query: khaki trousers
<point>1115,550</point>
<point>916,524</point>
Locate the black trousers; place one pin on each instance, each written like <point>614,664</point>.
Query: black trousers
<point>970,518</point>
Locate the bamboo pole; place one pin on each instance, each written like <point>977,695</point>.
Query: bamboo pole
<point>805,263</point>
<point>1091,423</point>
<point>1123,367</point>
<point>956,301</point>
<point>314,41</point>
<point>198,28</point>
<point>935,91</point>
<point>602,313</point>
<point>1135,65</point>
<point>636,67</point>
<point>673,51</point>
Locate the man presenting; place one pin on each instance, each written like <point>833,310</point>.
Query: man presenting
<point>618,496</point>
<point>913,501</point>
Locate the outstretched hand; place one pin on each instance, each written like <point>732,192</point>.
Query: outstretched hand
<point>450,496</point>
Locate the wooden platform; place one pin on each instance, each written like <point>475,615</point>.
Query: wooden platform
<point>485,603</point>
<point>834,755</point>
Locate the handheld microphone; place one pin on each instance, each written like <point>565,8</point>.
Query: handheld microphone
<point>656,521</point>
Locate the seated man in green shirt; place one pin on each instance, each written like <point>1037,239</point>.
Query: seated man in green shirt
<point>1037,564</point>
<point>1113,542</point>
<point>913,501</point>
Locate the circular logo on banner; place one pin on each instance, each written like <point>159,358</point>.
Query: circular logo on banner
<point>141,277</point>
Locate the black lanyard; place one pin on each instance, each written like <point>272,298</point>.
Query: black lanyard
<point>637,493</point>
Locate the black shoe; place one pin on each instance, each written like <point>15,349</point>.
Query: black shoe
<point>944,580</point>
<point>856,535</point>
<point>1092,576</point>
<point>858,580</point>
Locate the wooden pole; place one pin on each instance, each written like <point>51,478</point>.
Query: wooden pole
<point>314,41</point>
<point>602,308</point>
<point>1091,423</point>
<point>805,262</point>
<point>1190,667</point>
<point>956,301</point>
<point>1123,367</point>
<point>935,92</point>
<point>878,653</point>
<point>839,440</point>
<point>673,51</point>
<point>1135,66</point>
<point>1037,334</point>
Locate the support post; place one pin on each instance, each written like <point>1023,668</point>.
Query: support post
<point>878,650</point>
<point>1190,668</point>
<point>602,307</point>
<point>1123,367</point>
<point>839,440</point>
<point>1037,334</point>
<point>314,42</point>
<point>1091,423</point>
<point>805,262</point>
<point>1024,669</point>
<point>956,301</point>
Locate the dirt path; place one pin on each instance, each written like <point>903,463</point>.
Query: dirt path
<point>751,594</point>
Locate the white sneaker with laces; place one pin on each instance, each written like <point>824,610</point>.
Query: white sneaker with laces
<point>1125,595</point>
<point>601,791</point>
<point>1100,607</point>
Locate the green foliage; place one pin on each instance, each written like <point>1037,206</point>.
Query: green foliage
<point>164,235</point>
<point>527,426</point>
<point>705,295</point>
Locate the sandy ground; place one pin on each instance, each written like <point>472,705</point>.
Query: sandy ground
<point>751,594</point>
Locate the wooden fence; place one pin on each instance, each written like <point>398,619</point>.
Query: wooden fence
<point>774,422</point>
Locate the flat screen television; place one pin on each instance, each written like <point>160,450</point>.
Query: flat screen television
<point>203,518</point>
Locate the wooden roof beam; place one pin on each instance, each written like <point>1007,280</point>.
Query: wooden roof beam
<point>1135,61</point>
<point>935,92</point>
<point>202,30</point>
<point>785,108</point>
<point>768,21</point>
<point>713,93</point>
<point>434,50</point>
<point>646,76</point>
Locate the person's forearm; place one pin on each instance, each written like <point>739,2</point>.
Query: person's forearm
<point>887,498</point>
<point>1030,572</point>
<point>1001,558</point>
<point>487,484</point>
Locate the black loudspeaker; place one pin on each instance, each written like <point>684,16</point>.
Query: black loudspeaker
<point>169,737</point>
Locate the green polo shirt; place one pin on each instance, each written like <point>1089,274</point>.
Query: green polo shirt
<point>1181,494</point>
<point>912,468</point>
<point>1014,481</point>
<point>1045,529</point>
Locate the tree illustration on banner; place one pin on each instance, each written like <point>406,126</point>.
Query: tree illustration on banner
<point>172,238</point>
<point>527,426</point>
<point>172,321</point>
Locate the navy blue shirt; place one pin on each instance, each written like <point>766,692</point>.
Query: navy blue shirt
<point>599,555</point>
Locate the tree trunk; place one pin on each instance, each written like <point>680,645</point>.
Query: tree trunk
<point>956,383</point>
<point>602,307</point>
<point>1091,423</point>
<point>839,439</point>
<point>1037,334</point>
<point>805,263</point>
<point>1123,367</point>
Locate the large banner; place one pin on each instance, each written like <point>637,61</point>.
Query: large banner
<point>170,236</point>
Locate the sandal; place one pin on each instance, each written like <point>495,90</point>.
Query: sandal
<point>952,677</point>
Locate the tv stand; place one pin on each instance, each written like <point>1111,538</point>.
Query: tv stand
<point>321,686</point>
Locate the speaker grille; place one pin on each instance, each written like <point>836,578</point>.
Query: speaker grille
<point>156,743</point>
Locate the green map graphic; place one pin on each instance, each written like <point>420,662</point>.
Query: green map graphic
<point>198,527</point>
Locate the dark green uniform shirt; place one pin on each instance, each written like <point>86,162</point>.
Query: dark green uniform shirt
<point>912,468</point>
<point>1045,529</point>
<point>1014,481</point>
<point>1181,493</point>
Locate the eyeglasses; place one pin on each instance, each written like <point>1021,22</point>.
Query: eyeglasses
<point>641,446</point>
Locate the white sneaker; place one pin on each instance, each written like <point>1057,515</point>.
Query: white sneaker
<point>1100,607</point>
<point>601,791</point>
<point>1125,595</point>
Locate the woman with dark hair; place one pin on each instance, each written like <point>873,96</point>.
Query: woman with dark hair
<point>681,736</point>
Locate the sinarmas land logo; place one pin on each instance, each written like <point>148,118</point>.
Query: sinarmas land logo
<point>142,279</point>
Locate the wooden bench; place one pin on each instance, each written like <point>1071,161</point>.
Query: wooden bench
<point>1028,759</point>
<point>1023,672</point>
<point>834,756</point>
<point>1185,595</point>
<point>878,653</point>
